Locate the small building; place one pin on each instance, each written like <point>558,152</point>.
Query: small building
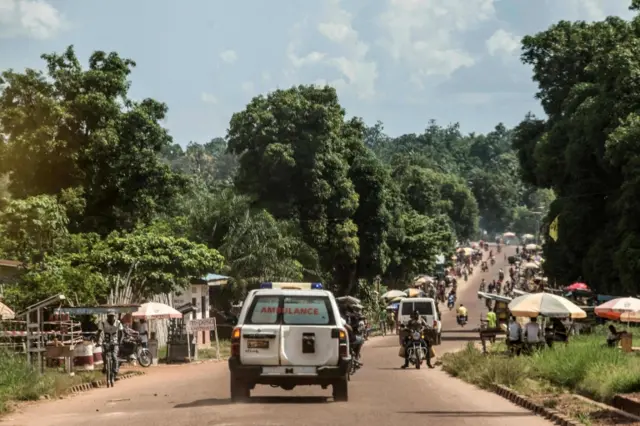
<point>198,296</point>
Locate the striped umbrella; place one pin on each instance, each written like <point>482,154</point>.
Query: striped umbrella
<point>545,304</point>
<point>615,309</point>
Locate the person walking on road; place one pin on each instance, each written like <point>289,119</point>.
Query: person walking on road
<point>383,321</point>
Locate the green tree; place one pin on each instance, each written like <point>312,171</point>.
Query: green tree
<point>159,263</point>
<point>33,228</point>
<point>292,147</point>
<point>76,128</point>
<point>586,151</point>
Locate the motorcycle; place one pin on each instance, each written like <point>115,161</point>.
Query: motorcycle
<point>493,261</point>
<point>484,267</point>
<point>354,364</point>
<point>466,277</point>
<point>462,320</point>
<point>132,349</point>
<point>499,249</point>
<point>451,302</point>
<point>417,349</point>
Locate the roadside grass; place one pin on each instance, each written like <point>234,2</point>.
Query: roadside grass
<point>584,366</point>
<point>21,382</point>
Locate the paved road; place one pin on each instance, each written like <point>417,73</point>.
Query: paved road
<point>380,394</point>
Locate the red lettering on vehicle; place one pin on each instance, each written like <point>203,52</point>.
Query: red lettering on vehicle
<point>290,311</point>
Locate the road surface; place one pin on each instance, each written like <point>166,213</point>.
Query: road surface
<point>380,394</point>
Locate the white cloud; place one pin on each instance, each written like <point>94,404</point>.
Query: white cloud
<point>229,56</point>
<point>208,98</point>
<point>503,43</point>
<point>424,34</point>
<point>29,18</point>
<point>588,10</point>
<point>301,61</point>
<point>248,87</point>
<point>357,73</point>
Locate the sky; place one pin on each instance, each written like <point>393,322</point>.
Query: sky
<point>403,62</point>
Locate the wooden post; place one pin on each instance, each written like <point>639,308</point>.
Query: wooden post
<point>215,333</point>
<point>188,330</point>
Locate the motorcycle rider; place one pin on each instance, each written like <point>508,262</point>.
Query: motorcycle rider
<point>416,323</point>
<point>112,331</point>
<point>501,274</point>
<point>451,299</point>
<point>462,313</point>
<point>356,339</point>
<point>483,285</point>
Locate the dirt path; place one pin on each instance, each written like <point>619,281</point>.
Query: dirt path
<point>380,394</point>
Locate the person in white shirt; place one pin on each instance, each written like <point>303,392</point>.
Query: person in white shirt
<point>515,335</point>
<point>532,331</point>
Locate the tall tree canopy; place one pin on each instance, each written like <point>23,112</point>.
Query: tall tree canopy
<point>93,186</point>
<point>76,128</point>
<point>587,149</point>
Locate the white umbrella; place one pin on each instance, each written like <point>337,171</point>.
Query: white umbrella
<point>532,247</point>
<point>7,314</point>
<point>392,294</point>
<point>527,237</point>
<point>155,310</point>
<point>508,235</point>
<point>530,265</point>
<point>350,300</point>
<point>422,280</point>
<point>545,304</point>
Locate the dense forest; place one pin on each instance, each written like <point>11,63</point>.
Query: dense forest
<point>95,191</point>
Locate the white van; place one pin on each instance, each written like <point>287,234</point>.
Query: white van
<point>427,308</point>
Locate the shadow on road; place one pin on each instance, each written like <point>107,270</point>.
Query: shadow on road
<point>470,413</point>
<point>460,338</point>
<point>212,402</point>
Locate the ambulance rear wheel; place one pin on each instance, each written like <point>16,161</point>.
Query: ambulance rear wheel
<point>341,390</point>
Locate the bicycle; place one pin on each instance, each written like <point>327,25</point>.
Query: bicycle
<point>108,365</point>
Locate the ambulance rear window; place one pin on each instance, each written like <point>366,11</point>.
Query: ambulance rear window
<point>307,310</point>
<point>291,310</point>
<point>264,310</point>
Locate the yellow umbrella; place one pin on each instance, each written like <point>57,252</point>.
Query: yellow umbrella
<point>545,304</point>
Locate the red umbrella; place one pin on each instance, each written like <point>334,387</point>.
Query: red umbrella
<point>578,286</point>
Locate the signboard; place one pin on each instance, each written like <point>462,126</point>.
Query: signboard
<point>204,324</point>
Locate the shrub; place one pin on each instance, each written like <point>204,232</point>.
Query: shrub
<point>584,366</point>
<point>19,381</point>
